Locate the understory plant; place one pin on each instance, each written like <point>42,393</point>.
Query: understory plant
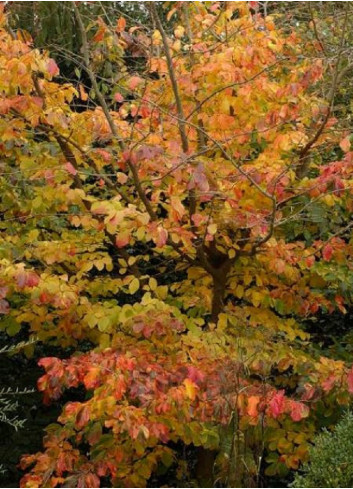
<point>331,458</point>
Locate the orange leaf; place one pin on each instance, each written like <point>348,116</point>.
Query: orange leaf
<point>120,24</point>
<point>83,94</point>
<point>253,402</point>
<point>345,144</point>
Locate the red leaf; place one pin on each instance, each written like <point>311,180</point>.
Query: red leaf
<point>298,410</point>
<point>329,383</point>
<point>327,252</point>
<point>195,375</point>
<point>82,416</point>
<point>91,379</point>
<point>310,260</point>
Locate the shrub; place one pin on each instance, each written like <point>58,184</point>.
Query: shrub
<point>331,458</point>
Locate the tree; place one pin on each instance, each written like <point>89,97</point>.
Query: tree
<point>183,226</point>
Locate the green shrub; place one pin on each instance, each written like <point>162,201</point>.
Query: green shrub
<point>331,458</point>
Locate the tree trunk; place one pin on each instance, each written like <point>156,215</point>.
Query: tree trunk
<point>219,285</point>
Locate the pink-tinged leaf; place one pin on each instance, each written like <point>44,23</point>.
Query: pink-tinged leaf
<point>345,144</point>
<point>122,240</point>
<point>310,260</point>
<point>195,375</point>
<point>162,236</point>
<point>277,404</point>
<point>3,291</point>
<point>88,480</point>
<point>26,279</point>
<point>38,101</point>
<point>104,154</point>
<point>298,411</point>
<point>199,180</point>
<point>49,177</point>
<point>279,266</point>
<point>309,392</point>
<point>122,178</point>
<point>130,156</point>
<point>21,279</point>
<point>4,306</point>
<point>32,279</point>
<point>148,152</point>
<point>350,381</point>
<point>118,97</point>
<point>134,82</point>
<point>214,7</point>
<point>327,252</point>
<point>197,219</point>
<point>70,168</point>
<point>52,67</point>
<point>254,5</point>
<point>329,383</point>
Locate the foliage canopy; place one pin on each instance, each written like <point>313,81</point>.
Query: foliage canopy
<point>182,223</point>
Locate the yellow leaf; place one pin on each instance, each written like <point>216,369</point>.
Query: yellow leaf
<point>195,273</point>
<point>134,285</point>
<point>156,38</point>
<point>103,324</point>
<point>190,389</point>
<point>231,253</point>
<point>179,32</point>
<point>239,291</point>
<point>212,228</point>
<point>256,298</point>
<point>152,283</point>
<point>162,291</point>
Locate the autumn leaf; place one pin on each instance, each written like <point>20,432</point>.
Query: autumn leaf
<point>190,389</point>
<point>120,24</point>
<point>345,144</point>
<point>252,406</point>
<point>327,252</point>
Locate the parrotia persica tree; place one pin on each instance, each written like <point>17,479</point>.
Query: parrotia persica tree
<point>182,222</point>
